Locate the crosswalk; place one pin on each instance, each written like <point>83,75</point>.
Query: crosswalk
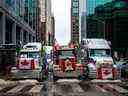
<point>74,88</point>
<point>21,90</point>
<point>63,88</point>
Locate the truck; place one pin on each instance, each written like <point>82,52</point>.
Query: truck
<point>65,63</point>
<point>29,62</point>
<point>96,55</point>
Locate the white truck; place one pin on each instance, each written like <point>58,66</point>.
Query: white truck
<point>30,62</point>
<point>96,54</point>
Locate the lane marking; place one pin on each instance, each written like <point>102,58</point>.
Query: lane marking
<point>17,89</point>
<point>36,89</point>
<point>68,81</point>
<point>101,89</point>
<point>117,88</point>
<point>76,88</point>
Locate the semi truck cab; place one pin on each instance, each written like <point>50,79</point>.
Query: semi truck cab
<point>97,56</point>
<point>65,63</point>
<point>30,61</point>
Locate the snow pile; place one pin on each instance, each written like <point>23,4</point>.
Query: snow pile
<point>7,83</point>
<point>28,81</point>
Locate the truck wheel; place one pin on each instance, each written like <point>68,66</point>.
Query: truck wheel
<point>80,77</point>
<point>55,78</point>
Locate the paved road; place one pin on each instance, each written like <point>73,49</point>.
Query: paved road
<point>73,88</point>
<point>63,87</point>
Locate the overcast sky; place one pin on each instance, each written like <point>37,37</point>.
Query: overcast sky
<point>61,10</point>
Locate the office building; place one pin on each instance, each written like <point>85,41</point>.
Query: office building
<point>92,4</point>
<point>45,23</point>
<point>75,21</point>
<point>18,21</point>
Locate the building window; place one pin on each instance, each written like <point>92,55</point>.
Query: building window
<point>75,10</point>
<point>75,4</point>
<point>10,4</point>
<point>8,38</point>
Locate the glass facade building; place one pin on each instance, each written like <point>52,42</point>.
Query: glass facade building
<point>31,12</point>
<point>109,21</point>
<point>92,4</point>
<point>18,19</point>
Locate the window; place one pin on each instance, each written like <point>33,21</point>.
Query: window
<point>67,53</point>
<point>75,4</point>
<point>75,10</point>
<point>100,52</point>
<point>35,55</point>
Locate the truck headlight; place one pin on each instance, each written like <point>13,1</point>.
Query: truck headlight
<point>14,69</point>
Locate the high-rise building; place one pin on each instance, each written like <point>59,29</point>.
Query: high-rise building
<point>18,21</point>
<point>82,19</point>
<point>42,21</point>
<point>75,21</point>
<point>95,26</point>
<point>45,23</point>
<point>30,15</point>
<point>48,21</point>
<point>111,19</point>
<point>83,25</point>
<point>92,4</point>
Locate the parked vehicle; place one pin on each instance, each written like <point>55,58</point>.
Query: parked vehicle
<point>65,63</point>
<point>97,56</point>
<point>30,62</point>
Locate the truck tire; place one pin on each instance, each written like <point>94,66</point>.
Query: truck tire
<point>55,78</point>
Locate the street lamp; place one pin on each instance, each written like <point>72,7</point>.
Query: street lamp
<point>103,22</point>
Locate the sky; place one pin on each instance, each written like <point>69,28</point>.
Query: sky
<point>61,11</point>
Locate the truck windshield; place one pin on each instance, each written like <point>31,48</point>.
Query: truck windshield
<point>100,52</point>
<point>35,55</point>
<point>66,53</point>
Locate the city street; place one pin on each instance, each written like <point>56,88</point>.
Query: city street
<point>63,48</point>
<point>62,87</point>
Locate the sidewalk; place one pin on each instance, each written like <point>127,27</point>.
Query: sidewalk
<point>4,83</point>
